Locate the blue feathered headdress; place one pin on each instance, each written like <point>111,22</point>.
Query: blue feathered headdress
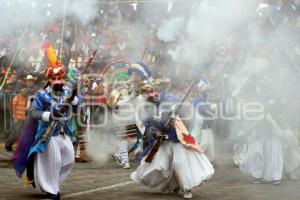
<point>140,70</point>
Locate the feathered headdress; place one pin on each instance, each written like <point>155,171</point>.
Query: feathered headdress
<point>140,70</point>
<point>55,69</point>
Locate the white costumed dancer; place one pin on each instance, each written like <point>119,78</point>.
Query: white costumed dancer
<point>201,129</point>
<point>271,153</point>
<point>179,163</point>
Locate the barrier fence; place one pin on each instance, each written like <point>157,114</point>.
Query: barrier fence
<point>6,120</point>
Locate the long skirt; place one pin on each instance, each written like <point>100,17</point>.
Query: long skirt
<point>291,152</point>
<point>52,166</point>
<point>204,137</point>
<point>239,148</point>
<point>264,159</point>
<point>207,142</point>
<point>174,166</point>
<point>240,151</point>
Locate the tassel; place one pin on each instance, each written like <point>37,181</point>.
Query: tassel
<point>26,181</point>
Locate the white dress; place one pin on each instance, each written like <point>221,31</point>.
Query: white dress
<point>263,158</point>
<point>174,166</point>
<point>291,152</point>
<point>239,148</point>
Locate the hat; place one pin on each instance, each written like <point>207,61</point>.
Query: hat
<point>73,75</point>
<point>29,77</point>
<point>203,84</point>
<point>140,70</point>
<point>162,81</point>
<point>55,72</point>
<point>9,82</point>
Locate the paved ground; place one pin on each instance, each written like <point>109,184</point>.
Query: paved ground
<point>90,181</point>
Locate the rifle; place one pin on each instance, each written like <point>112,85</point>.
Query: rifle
<point>88,63</point>
<point>54,123</point>
<point>166,126</point>
<point>48,131</point>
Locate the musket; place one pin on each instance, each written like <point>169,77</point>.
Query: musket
<point>88,63</point>
<point>48,131</point>
<point>54,122</point>
<point>166,126</point>
<point>143,56</point>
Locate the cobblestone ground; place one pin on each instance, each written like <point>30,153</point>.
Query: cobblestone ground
<point>91,181</point>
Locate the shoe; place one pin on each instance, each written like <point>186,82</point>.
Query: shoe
<point>118,159</point>
<point>188,194</point>
<point>53,196</point>
<point>8,148</point>
<point>126,166</point>
<point>256,181</point>
<point>276,182</point>
<point>234,164</point>
<point>80,160</point>
<point>176,190</point>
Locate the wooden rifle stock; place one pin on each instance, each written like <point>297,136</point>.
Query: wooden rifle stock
<point>157,143</point>
<point>154,149</point>
<point>48,131</point>
<point>91,58</point>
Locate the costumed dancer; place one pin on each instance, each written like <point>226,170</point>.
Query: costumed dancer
<point>179,163</point>
<point>82,121</point>
<point>271,152</point>
<point>201,127</point>
<point>121,119</point>
<point>141,76</point>
<point>263,158</point>
<point>50,157</point>
<point>238,136</point>
<point>122,122</point>
<point>79,120</point>
<point>126,93</point>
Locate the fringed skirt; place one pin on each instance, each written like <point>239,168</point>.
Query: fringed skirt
<point>174,166</point>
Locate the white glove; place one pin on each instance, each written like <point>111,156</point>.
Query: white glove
<point>214,107</point>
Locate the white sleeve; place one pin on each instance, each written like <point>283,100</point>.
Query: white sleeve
<point>75,101</point>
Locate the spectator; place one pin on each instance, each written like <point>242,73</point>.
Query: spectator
<point>30,84</point>
<point>36,59</point>
<point>18,115</point>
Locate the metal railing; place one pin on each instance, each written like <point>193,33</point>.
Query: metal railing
<point>6,120</point>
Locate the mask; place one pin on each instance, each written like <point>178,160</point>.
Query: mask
<point>58,87</point>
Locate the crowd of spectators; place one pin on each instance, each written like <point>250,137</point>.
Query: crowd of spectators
<point>119,31</point>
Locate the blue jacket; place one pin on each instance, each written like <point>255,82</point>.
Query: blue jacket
<point>151,125</point>
<point>43,104</point>
<point>203,108</point>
